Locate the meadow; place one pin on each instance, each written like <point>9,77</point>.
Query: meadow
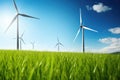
<point>33,65</point>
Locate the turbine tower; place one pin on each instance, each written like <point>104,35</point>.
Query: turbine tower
<point>59,44</point>
<point>17,18</point>
<point>33,45</point>
<point>83,27</point>
<point>21,40</point>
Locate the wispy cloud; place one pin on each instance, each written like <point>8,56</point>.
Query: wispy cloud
<point>99,8</point>
<point>109,40</point>
<point>115,30</point>
<point>88,7</point>
<point>113,44</point>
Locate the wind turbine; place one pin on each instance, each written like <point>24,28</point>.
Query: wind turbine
<point>59,44</point>
<point>17,17</point>
<point>33,45</point>
<point>83,27</point>
<point>21,40</point>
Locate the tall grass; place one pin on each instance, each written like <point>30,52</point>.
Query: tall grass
<point>30,65</point>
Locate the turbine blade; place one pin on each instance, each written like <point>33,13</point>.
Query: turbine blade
<point>89,29</point>
<point>57,44</point>
<point>15,5</point>
<point>22,34</point>
<point>57,39</point>
<point>22,40</point>
<point>11,23</point>
<point>76,35</point>
<point>61,44</point>
<point>80,17</point>
<point>24,15</point>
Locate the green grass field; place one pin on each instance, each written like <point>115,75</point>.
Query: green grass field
<point>32,65</point>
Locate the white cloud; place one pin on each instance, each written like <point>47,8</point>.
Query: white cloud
<point>115,30</point>
<point>100,7</point>
<point>113,44</point>
<point>109,40</point>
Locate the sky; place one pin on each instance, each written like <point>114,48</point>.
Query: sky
<point>60,18</point>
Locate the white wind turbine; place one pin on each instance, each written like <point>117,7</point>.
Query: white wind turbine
<point>82,27</point>
<point>17,17</point>
<point>33,45</point>
<point>59,44</point>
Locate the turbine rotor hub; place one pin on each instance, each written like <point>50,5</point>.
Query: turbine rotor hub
<point>81,26</point>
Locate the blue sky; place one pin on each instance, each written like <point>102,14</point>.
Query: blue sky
<point>60,18</point>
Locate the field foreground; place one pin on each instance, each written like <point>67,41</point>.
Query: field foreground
<point>31,65</point>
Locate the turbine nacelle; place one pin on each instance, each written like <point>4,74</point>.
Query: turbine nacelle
<point>81,26</point>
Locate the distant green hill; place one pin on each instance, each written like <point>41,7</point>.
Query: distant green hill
<point>116,53</point>
<point>33,65</point>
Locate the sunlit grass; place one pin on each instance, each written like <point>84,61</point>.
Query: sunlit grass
<point>32,65</point>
